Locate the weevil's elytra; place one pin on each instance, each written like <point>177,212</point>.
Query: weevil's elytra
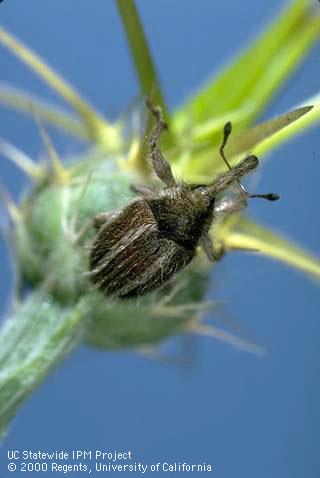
<point>142,247</point>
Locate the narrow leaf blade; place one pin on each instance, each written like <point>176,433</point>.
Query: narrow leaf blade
<point>250,236</point>
<point>98,128</point>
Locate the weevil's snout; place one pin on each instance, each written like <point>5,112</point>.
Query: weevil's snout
<point>250,163</point>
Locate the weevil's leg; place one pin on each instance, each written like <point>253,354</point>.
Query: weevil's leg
<point>222,209</point>
<point>141,190</point>
<point>213,252</point>
<point>160,166</point>
<point>102,218</point>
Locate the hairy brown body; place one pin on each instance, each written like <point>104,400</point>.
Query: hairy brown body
<point>147,243</point>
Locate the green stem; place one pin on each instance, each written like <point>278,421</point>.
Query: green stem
<point>147,75</point>
<point>141,55</point>
<point>253,237</point>
<point>99,130</point>
<point>33,340</point>
<point>29,104</point>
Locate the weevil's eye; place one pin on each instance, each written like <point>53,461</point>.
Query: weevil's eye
<point>200,196</point>
<point>203,190</point>
<point>198,186</point>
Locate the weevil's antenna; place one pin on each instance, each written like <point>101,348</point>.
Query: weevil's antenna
<point>226,133</point>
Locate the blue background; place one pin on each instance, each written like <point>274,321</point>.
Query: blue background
<point>248,417</point>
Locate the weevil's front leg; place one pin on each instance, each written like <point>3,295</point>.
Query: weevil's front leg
<point>222,210</point>
<point>160,166</point>
<point>213,252</point>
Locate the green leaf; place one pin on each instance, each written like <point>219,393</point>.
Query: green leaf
<point>141,54</point>
<point>21,160</point>
<point>26,103</point>
<point>258,139</point>
<point>98,128</point>
<point>246,235</point>
<point>249,139</point>
<point>257,73</point>
<point>148,78</point>
<point>292,129</point>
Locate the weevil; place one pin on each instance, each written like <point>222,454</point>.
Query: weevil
<point>145,245</point>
